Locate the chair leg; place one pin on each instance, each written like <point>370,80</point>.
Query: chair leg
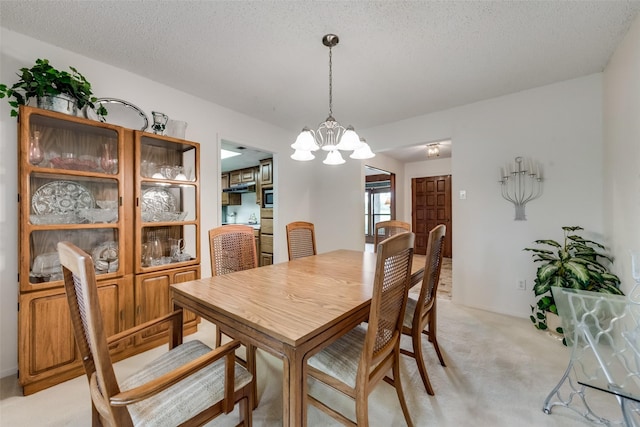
<point>431,333</point>
<point>218,337</point>
<point>398,386</point>
<point>417,350</point>
<point>362,408</point>
<point>246,409</point>
<point>435,345</point>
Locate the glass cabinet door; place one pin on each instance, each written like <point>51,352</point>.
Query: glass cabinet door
<point>167,208</point>
<point>71,184</point>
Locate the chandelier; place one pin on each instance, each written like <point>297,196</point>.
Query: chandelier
<point>330,136</point>
<point>521,182</point>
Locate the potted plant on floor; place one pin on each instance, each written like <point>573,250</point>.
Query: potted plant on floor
<point>577,263</point>
<point>53,89</point>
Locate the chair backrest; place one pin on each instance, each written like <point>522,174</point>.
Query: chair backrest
<point>433,265</point>
<point>390,289</point>
<point>385,229</point>
<point>86,319</point>
<point>232,248</point>
<point>301,239</point>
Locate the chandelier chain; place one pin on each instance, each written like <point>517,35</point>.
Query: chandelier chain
<point>330,83</point>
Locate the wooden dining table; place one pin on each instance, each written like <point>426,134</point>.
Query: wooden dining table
<point>291,310</point>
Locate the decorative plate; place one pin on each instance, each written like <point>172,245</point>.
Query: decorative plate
<point>156,200</point>
<point>119,112</point>
<point>60,197</point>
<point>105,257</point>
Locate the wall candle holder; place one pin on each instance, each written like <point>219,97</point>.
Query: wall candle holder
<point>521,182</point>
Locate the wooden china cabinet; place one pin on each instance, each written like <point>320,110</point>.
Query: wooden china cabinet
<point>131,200</point>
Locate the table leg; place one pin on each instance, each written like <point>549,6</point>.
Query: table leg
<point>251,367</point>
<point>294,389</point>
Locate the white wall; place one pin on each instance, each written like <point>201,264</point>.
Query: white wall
<point>207,123</point>
<point>622,152</point>
<point>560,125</point>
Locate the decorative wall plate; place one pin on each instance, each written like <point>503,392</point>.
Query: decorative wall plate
<point>119,112</point>
<point>156,200</point>
<point>60,197</point>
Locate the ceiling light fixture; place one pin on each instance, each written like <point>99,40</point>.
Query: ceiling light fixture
<point>331,136</point>
<point>433,150</point>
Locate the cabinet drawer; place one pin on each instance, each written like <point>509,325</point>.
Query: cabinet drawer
<point>266,213</point>
<point>266,259</point>
<point>266,243</point>
<point>266,226</point>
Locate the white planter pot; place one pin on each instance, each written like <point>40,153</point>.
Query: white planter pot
<point>553,323</point>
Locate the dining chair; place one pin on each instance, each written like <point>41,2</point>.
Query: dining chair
<point>232,248</point>
<point>189,385</point>
<point>385,229</point>
<point>301,239</point>
<point>356,362</point>
<point>421,312</point>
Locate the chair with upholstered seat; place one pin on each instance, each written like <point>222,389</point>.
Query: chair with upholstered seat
<point>233,248</point>
<point>301,239</point>
<point>385,229</point>
<point>189,385</point>
<point>356,362</point>
<point>421,313</point>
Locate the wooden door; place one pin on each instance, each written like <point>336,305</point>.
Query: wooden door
<point>431,206</point>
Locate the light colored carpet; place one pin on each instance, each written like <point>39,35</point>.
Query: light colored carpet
<point>446,284</point>
<point>499,371</point>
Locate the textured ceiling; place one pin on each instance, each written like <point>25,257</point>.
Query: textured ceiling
<point>395,59</point>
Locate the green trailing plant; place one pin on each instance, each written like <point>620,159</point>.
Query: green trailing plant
<point>44,80</point>
<point>577,263</point>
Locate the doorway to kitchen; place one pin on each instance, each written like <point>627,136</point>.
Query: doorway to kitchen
<point>379,199</point>
<point>247,186</point>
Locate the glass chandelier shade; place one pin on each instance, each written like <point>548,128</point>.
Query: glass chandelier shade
<point>331,136</point>
<point>363,152</point>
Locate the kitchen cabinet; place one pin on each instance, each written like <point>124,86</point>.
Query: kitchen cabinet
<point>227,199</point>
<point>256,234</point>
<point>266,172</point>
<point>128,198</point>
<point>248,175</point>
<point>242,176</point>
<point>266,236</point>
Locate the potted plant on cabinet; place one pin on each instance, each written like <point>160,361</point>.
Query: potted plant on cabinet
<point>53,89</point>
<point>577,263</point>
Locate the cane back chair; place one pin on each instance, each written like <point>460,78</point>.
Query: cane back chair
<point>385,229</point>
<point>356,362</point>
<point>421,312</point>
<point>301,239</point>
<point>189,385</point>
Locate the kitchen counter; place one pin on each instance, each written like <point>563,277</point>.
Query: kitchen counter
<point>255,226</point>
